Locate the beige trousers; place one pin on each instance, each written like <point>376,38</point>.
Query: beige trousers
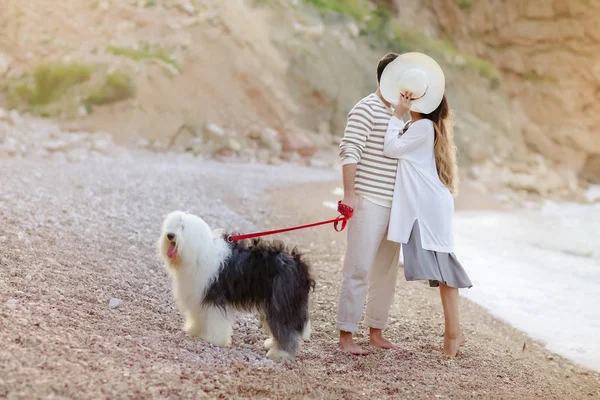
<point>370,266</point>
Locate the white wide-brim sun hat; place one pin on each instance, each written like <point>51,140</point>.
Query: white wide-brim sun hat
<point>418,74</point>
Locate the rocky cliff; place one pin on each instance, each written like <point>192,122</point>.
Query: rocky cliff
<point>546,52</point>
<point>264,79</point>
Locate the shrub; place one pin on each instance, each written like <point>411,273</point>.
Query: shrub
<point>464,5</point>
<point>117,86</point>
<point>50,82</point>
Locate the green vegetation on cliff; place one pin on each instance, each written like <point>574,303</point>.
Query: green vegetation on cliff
<point>357,9</point>
<point>378,23</point>
<point>54,88</point>
<point>144,52</point>
<point>49,82</point>
<point>117,86</point>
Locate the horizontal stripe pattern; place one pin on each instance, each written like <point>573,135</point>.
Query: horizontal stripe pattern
<point>363,142</point>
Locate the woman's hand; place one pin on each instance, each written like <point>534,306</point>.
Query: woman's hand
<point>404,105</point>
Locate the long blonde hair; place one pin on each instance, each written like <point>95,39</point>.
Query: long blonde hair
<point>444,147</point>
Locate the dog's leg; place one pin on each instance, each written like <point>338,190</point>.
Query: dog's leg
<point>287,317</point>
<point>306,331</point>
<point>218,326</point>
<point>283,349</point>
<point>265,326</point>
<point>284,342</point>
<point>193,324</point>
<point>270,341</point>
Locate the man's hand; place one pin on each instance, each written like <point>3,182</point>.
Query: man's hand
<point>350,200</point>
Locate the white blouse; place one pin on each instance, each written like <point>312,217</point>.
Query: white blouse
<point>418,193</point>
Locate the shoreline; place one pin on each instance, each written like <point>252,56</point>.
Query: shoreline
<point>534,272</point>
<point>493,344</point>
<point>474,207</point>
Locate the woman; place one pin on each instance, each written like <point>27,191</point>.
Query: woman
<point>421,216</point>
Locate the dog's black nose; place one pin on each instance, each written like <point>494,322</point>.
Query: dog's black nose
<point>170,236</point>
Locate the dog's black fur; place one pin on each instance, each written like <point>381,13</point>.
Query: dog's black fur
<point>267,277</point>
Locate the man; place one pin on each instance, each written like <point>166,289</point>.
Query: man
<point>371,261</point>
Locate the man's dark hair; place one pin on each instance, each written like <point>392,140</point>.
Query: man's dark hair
<point>385,60</point>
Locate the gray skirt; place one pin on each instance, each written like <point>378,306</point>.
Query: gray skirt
<point>432,266</point>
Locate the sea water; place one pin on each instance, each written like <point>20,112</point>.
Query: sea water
<point>539,270</point>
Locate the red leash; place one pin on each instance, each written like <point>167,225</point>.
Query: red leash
<point>343,209</point>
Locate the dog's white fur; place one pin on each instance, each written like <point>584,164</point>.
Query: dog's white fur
<point>200,252</point>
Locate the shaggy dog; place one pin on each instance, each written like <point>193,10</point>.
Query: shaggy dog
<point>212,279</point>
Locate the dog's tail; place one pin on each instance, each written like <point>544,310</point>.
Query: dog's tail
<point>304,266</point>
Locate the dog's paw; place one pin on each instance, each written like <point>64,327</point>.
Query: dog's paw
<point>192,329</point>
<point>269,343</point>
<point>279,355</point>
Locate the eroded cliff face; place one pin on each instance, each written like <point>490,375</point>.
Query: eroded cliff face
<point>241,64</point>
<point>548,53</point>
<point>248,66</point>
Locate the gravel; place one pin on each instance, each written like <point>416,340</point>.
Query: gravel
<point>76,236</point>
<point>79,237</point>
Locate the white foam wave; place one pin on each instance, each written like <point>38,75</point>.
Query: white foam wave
<point>539,270</point>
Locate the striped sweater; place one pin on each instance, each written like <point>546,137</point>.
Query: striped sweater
<point>363,144</point>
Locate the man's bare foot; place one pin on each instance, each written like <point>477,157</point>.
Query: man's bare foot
<point>347,345</point>
<point>376,339</point>
<point>451,345</point>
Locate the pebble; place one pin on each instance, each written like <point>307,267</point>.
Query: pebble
<point>114,303</point>
<point>213,131</point>
<point>12,303</point>
<point>188,8</point>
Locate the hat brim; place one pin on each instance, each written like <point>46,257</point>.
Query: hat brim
<point>389,84</point>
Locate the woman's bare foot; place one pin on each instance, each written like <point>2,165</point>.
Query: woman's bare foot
<point>347,345</point>
<point>451,345</point>
<point>376,339</point>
